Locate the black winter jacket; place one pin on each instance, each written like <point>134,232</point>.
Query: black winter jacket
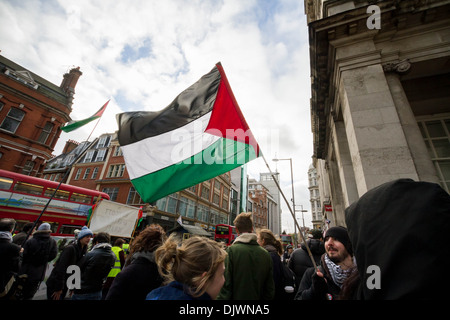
<point>402,228</point>
<point>300,260</point>
<point>137,279</point>
<point>37,252</point>
<point>70,255</point>
<point>95,267</point>
<point>305,291</point>
<point>9,261</point>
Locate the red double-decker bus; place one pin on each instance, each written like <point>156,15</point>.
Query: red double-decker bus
<point>23,198</point>
<point>225,233</point>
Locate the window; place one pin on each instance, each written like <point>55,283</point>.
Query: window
<point>436,133</point>
<point>102,142</point>
<point>12,120</point>
<point>193,189</point>
<point>225,204</point>
<point>45,132</point>
<point>100,155</point>
<point>112,193</point>
<point>161,204</point>
<point>202,213</point>
<point>190,210</point>
<point>78,197</point>
<point>28,167</point>
<point>28,188</point>
<point>116,170</point>
<point>117,152</point>
<point>182,206</point>
<point>89,156</point>
<point>205,192</point>
<point>86,173</point>
<point>216,199</point>
<point>94,173</point>
<point>77,176</point>
<point>172,203</point>
<point>214,217</point>
<point>133,197</point>
<point>5,183</point>
<point>60,194</point>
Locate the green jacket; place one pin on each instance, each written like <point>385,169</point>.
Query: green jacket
<point>248,271</point>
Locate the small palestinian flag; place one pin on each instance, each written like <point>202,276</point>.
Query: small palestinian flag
<point>73,125</point>
<point>200,135</point>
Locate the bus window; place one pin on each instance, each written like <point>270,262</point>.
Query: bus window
<point>28,188</point>
<point>69,229</point>
<point>222,230</point>
<point>60,194</point>
<point>5,183</point>
<point>78,197</point>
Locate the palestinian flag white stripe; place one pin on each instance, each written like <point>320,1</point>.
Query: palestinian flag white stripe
<point>169,148</point>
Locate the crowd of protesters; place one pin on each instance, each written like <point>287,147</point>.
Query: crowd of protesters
<point>393,242</point>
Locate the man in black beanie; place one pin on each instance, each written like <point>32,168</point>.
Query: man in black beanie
<point>337,264</point>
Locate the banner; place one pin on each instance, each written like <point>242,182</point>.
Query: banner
<point>117,219</point>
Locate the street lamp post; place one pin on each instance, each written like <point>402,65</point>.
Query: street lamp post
<point>293,201</point>
<point>303,218</point>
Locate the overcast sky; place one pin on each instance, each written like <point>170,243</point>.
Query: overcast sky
<point>142,54</point>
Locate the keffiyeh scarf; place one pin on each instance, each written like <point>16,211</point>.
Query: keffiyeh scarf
<point>337,274</point>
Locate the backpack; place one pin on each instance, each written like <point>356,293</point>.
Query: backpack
<point>288,280</point>
<point>40,256</point>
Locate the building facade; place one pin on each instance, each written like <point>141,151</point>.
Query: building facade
<point>380,94</point>
<point>32,111</point>
<point>273,205</point>
<point>314,198</point>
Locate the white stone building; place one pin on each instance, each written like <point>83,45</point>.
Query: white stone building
<point>380,94</point>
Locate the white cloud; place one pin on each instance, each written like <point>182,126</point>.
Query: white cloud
<point>142,53</point>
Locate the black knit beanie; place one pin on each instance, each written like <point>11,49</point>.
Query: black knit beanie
<point>340,234</point>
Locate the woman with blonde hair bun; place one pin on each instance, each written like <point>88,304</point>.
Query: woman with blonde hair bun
<point>192,271</point>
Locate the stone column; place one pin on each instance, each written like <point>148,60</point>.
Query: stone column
<point>376,140</point>
<point>422,161</point>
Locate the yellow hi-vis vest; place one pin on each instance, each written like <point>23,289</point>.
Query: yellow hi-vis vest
<point>116,269</point>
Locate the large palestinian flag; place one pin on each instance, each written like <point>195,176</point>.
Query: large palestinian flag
<point>200,135</point>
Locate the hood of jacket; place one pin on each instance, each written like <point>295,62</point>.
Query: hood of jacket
<point>398,232</point>
<point>150,256</point>
<point>316,246</point>
<point>246,238</point>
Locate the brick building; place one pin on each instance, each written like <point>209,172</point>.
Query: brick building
<point>102,167</point>
<point>32,111</point>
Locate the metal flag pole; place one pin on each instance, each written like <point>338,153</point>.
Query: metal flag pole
<point>292,213</point>
<point>65,175</point>
<point>56,190</point>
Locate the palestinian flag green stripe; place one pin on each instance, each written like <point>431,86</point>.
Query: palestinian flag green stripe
<point>224,155</point>
<point>73,125</point>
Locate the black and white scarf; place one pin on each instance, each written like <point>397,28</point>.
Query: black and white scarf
<point>337,273</point>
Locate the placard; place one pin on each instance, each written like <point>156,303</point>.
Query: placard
<point>117,219</point>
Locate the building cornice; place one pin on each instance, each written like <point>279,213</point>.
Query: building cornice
<point>326,34</point>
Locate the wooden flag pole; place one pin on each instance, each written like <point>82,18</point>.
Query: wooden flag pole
<point>292,213</point>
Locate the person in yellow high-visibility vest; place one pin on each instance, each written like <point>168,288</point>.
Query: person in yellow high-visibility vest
<point>118,265</point>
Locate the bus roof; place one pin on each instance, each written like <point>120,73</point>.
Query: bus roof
<point>51,184</point>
